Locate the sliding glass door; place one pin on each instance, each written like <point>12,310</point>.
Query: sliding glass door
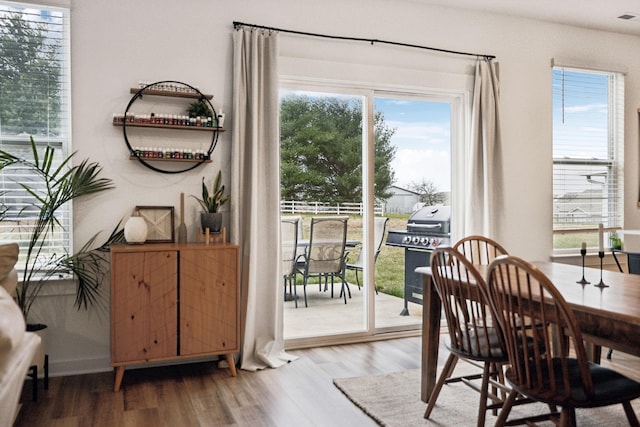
<point>358,153</point>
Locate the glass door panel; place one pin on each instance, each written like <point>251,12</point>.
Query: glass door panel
<point>421,165</point>
<point>321,141</point>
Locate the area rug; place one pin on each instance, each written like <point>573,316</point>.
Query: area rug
<point>393,400</point>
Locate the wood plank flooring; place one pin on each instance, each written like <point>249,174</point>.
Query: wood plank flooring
<point>298,394</point>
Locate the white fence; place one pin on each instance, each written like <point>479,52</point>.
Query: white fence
<point>320,208</point>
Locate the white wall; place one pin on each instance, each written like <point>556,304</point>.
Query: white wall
<point>117,43</point>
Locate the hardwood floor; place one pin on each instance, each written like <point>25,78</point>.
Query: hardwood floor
<point>298,394</point>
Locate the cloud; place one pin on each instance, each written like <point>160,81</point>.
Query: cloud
<point>416,165</point>
<point>586,108</point>
<point>413,133</point>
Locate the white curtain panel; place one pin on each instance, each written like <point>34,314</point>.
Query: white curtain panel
<point>255,197</point>
<point>483,208</point>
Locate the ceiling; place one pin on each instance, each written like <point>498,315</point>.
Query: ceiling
<point>596,14</point>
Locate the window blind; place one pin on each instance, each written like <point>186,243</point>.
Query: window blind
<point>34,102</point>
<point>588,142</point>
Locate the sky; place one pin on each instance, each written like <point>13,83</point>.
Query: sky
<point>422,138</point>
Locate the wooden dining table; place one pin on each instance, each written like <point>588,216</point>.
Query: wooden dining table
<point>608,316</point>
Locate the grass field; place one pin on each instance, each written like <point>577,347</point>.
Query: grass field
<point>390,263</point>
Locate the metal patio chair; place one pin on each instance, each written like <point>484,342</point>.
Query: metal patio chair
<point>325,254</point>
<point>380,226</point>
<point>289,245</point>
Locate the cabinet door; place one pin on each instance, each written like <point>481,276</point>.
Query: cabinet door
<point>144,309</point>
<point>208,301</point>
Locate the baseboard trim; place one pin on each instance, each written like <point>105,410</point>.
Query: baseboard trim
<point>63,368</point>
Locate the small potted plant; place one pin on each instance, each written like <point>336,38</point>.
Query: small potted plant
<point>211,202</point>
<point>616,241</point>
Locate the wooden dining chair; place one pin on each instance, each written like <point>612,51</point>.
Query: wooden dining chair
<point>473,335</point>
<point>517,289</point>
<point>479,250</point>
<point>325,255</point>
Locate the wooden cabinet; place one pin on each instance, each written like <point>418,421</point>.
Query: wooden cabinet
<point>172,301</point>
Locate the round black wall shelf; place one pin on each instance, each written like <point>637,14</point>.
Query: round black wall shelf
<point>170,88</point>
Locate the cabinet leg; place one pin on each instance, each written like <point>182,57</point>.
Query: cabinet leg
<point>232,364</point>
<point>118,379</point>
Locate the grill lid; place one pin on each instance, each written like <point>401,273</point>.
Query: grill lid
<point>434,220</point>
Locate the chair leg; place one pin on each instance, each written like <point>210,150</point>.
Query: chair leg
<point>332,277</point>
<point>295,291</point>
<point>449,365</point>
<point>285,288</point>
<point>609,353</point>
<point>484,391</point>
<point>304,289</point>
<point>345,284</point>
<point>567,417</point>
<point>357,279</point>
<point>495,370</point>
<point>506,408</point>
<point>630,413</point>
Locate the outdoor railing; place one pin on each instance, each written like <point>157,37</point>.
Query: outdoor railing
<point>321,208</point>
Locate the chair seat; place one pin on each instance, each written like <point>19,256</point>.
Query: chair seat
<point>482,348</point>
<point>610,387</point>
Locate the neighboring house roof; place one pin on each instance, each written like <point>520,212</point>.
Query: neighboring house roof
<point>397,190</point>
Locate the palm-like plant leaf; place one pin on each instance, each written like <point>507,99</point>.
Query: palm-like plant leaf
<point>59,185</point>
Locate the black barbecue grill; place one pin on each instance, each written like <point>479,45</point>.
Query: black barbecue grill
<point>427,229</point>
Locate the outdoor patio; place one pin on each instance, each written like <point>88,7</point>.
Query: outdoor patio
<point>326,315</point>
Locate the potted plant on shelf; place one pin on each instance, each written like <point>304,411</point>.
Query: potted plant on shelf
<point>211,202</point>
<point>199,108</point>
<point>53,187</point>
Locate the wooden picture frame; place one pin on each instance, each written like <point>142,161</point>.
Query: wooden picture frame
<point>160,223</point>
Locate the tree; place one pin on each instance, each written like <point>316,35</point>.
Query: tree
<point>29,105</point>
<point>321,150</point>
<point>428,191</point>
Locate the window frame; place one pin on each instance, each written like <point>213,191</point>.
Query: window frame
<point>56,133</point>
<point>611,166</point>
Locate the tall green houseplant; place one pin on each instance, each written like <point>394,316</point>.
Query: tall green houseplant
<point>211,202</point>
<point>53,187</point>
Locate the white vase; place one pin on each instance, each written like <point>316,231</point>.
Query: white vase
<point>135,230</point>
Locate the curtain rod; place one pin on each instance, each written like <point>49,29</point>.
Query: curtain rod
<point>237,25</point>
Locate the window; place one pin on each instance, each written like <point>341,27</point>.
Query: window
<point>34,102</point>
<point>588,141</point>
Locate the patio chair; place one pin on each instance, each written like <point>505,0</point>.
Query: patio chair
<point>324,256</point>
<point>473,336</point>
<point>479,250</point>
<point>517,289</point>
<point>289,245</point>
<point>380,226</point>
